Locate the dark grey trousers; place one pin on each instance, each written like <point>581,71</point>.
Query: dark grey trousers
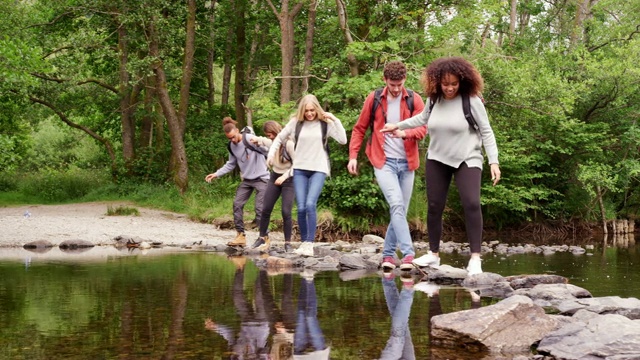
<point>243,193</point>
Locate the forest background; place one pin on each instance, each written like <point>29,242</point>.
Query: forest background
<point>124,99</point>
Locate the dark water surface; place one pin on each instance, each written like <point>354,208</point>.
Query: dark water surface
<point>206,306</point>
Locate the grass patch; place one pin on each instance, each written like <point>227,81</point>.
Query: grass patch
<point>122,210</point>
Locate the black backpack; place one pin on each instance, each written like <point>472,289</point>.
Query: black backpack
<point>466,109</point>
<point>377,101</point>
<point>248,146</point>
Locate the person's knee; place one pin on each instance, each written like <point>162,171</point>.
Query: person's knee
<point>397,210</point>
<point>472,206</point>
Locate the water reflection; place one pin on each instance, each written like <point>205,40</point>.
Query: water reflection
<point>309,339</point>
<point>258,316</point>
<point>399,345</point>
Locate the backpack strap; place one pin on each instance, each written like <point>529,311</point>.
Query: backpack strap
<point>252,147</point>
<point>466,108</point>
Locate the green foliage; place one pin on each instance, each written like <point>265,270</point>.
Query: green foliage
<point>57,186</point>
<point>122,210</point>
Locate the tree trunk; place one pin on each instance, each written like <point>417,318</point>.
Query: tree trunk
<point>287,44</point>
<point>146,129</point>
<point>240,10</point>
<point>226,73</point>
<point>603,213</point>
<point>176,119</point>
<point>583,9</point>
<point>344,26</point>
<point>128,127</point>
<point>211,88</point>
<point>512,21</point>
<point>308,45</point>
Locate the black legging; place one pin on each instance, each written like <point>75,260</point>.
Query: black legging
<point>271,195</point>
<point>438,176</point>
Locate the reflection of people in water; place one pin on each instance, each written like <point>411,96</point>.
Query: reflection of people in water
<point>399,345</point>
<point>282,348</point>
<point>251,341</point>
<point>309,341</point>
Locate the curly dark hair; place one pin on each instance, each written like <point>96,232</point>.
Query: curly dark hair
<point>395,70</point>
<point>470,79</point>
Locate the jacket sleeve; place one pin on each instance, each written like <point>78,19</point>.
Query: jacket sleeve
<point>360,128</point>
<point>228,166</point>
<point>420,132</point>
<point>288,130</point>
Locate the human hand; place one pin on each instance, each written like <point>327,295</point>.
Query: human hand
<point>389,128</point>
<point>495,173</point>
<point>209,324</point>
<point>329,116</point>
<point>254,140</point>
<point>352,166</point>
<point>210,177</point>
<point>270,161</point>
<point>400,134</point>
<point>280,180</point>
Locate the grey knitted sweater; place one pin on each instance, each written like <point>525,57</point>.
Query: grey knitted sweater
<point>451,140</point>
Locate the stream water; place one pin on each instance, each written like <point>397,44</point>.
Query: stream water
<point>107,304</point>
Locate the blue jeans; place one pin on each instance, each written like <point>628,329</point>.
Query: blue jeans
<point>308,333</point>
<point>396,182</point>
<point>399,345</point>
<point>308,185</point>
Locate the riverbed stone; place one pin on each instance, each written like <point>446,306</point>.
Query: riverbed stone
<point>529,281</point>
<point>75,244</point>
<point>275,262</point>
<point>594,336</point>
<point>38,246</point>
<point>352,261</point>
<point>509,327</point>
<point>627,307</point>
<point>445,274</point>
<point>554,294</point>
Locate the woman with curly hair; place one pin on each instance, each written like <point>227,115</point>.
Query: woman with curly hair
<point>454,150</point>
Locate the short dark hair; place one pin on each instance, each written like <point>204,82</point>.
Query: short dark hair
<point>395,70</point>
<point>228,124</point>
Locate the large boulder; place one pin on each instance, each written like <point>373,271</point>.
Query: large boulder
<point>593,336</point>
<point>509,327</point>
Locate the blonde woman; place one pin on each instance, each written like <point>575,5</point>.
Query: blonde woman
<point>311,127</point>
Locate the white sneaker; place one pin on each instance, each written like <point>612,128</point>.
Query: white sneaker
<point>429,288</point>
<point>428,259</point>
<point>475,266</point>
<point>308,274</point>
<point>305,249</point>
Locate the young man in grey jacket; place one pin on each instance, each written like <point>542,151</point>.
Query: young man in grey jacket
<point>254,173</point>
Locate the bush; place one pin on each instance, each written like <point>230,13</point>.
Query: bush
<point>62,185</point>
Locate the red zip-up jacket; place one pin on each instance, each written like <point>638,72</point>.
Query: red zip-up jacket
<point>375,147</point>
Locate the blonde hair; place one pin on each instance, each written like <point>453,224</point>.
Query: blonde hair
<point>309,99</point>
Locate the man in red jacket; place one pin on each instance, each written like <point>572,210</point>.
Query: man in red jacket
<point>394,156</point>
